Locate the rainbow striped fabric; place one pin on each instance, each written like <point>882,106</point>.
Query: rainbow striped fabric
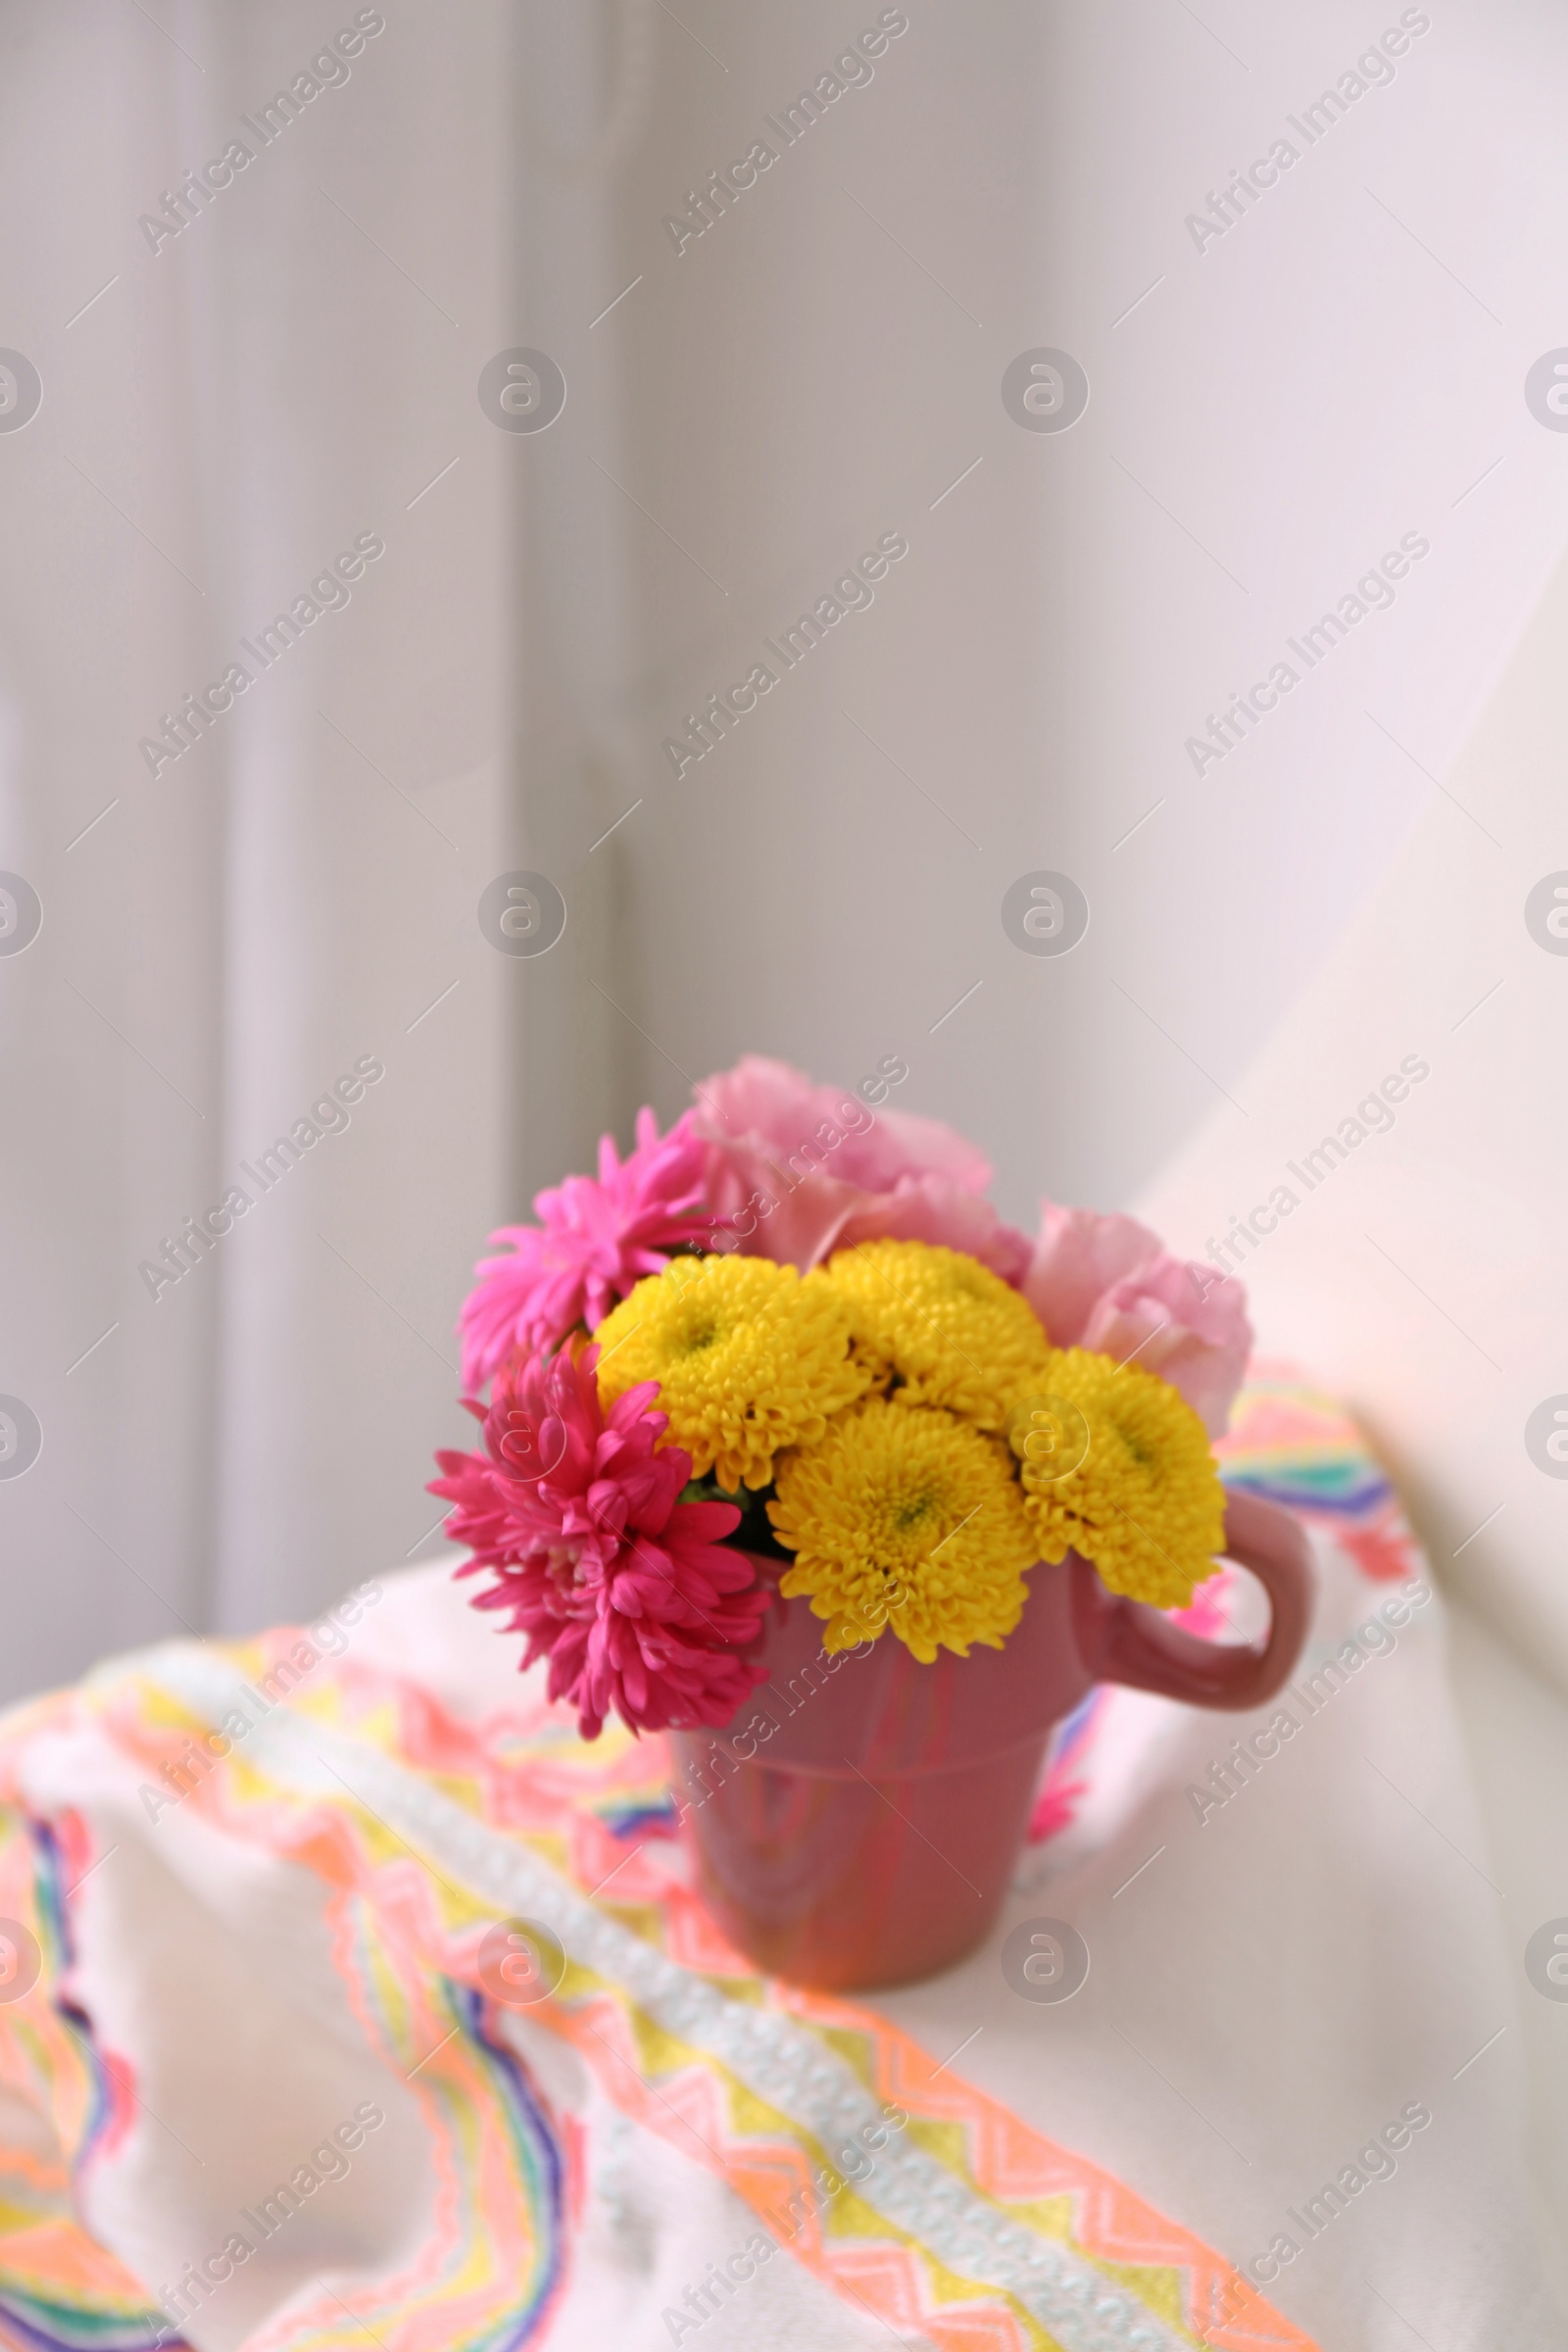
<point>968,2230</point>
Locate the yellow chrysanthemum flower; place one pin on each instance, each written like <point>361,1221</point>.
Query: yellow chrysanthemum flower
<point>941,1326</point>
<point>906,1517</point>
<point>748,1359</point>
<point>1141,1498</point>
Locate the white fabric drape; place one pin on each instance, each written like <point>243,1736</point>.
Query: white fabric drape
<point>1272,1988</point>
<point>1422,1270</point>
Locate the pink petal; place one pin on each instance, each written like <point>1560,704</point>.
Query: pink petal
<point>1078,1257</point>
<point>1186,1322</point>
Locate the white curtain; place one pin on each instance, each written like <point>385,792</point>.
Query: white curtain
<point>292,899</point>
<point>1272,411</point>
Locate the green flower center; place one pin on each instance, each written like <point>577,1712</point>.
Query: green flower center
<point>1142,1455</point>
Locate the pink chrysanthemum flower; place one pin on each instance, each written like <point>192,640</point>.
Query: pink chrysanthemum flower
<point>638,1605</point>
<point>596,1242</point>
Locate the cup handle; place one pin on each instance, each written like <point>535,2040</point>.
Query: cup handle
<point>1122,1640</point>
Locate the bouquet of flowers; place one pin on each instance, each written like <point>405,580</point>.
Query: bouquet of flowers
<point>790,1349</point>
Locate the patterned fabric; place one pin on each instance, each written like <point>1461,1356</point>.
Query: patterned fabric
<point>57,2288</point>
<point>1291,1443</point>
<point>1298,1447</point>
<point>955,2222</point>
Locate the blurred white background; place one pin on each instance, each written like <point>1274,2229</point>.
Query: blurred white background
<point>1270,411</point>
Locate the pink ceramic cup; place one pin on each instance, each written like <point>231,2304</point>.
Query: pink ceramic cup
<point>858,1820</point>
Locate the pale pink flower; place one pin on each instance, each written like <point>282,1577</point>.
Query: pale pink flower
<point>801,1170</point>
<point>596,1242</point>
<point>1106,1283</point>
<point>637,1603</point>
